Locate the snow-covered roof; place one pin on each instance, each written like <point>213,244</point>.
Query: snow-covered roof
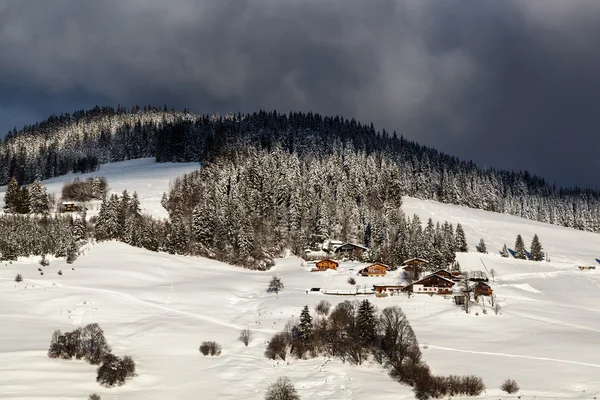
<point>430,275</point>
<point>353,245</point>
<point>415,259</point>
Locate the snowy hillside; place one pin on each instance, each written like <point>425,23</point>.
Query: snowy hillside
<point>158,308</point>
<point>145,176</point>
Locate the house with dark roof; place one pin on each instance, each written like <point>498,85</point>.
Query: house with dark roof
<point>431,284</point>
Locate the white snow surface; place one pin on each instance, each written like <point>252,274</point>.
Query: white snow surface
<point>158,308</point>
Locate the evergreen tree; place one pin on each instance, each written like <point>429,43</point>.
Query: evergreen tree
<point>23,203</point>
<point>366,323</point>
<point>505,252</point>
<point>481,247</point>
<point>305,328</point>
<point>520,252</point>
<point>177,241</point>
<point>12,195</point>
<point>461,241</point>
<point>38,198</point>
<point>536,249</point>
<point>80,228</point>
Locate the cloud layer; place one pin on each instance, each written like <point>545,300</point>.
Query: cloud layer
<point>509,84</point>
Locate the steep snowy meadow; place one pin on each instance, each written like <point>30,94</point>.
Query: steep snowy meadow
<point>158,308</point>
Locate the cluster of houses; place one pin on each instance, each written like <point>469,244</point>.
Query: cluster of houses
<point>439,282</point>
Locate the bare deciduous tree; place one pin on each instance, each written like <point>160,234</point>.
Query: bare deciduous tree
<point>282,389</point>
<point>278,346</point>
<point>493,274</point>
<point>323,307</point>
<point>245,336</point>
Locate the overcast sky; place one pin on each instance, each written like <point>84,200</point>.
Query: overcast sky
<point>509,84</point>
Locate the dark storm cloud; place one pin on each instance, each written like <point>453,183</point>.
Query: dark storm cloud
<point>510,84</point>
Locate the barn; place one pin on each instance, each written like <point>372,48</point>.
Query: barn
<point>376,269</point>
<point>431,284</point>
<point>482,289</point>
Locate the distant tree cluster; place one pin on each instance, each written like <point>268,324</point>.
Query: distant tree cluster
<point>355,332</point>
<point>84,139</point>
<point>89,344</point>
<point>23,236</point>
<point>535,254</point>
<point>85,190</point>
<point>120,218</point>
<point>24,200</point>
<point>246,211</point>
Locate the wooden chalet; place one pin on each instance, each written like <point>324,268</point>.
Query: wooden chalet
<point>444,273</point>
<point>68,206</point>
<point>586,267</point>
<point>482,289</point>
<point>351,250</point>
<point>431,284</point>
<point>326,264</point>
<point>388,288</point>
<point>376,269</point>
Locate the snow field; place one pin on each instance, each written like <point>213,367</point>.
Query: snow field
<point>158,308</point>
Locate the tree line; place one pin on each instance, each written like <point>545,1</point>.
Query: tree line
<point>85,139</point>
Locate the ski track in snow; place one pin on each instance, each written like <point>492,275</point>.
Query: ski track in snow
<point>486,353</point>
<point>129,299</point>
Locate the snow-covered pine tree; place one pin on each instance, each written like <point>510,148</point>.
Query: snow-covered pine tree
<point>80,227</point>
<point>23,202</point>
<point>520,252</point>
<point>536,249</point>
<point>505,252</point>
<point>38,198</point>
<point>12,195</point>
<point>177,241</point>
<point>461,241</point>
<point>481,248</point>
<point>123,212</point>
<point>366,323</point>
<point>305,327</point>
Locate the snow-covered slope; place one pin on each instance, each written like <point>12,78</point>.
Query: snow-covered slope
<point>159,308</point>
<point>144,176</point>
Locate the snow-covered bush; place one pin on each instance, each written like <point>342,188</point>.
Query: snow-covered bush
<point>510,386</point>
<point>282,389</point>
<point>210,348</point>
<point>115,371</point>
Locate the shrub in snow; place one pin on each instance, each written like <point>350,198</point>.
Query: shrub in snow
<point>94,397</point>
<point>277,346</point>
<point>323,307</point>
<point>245,336</point>
<point>115,371</point>
<point>275,285</point>
<point>60,271</point>
<point>210,348</point>
<point>510,386</point>
<point>282,389</point>
<point>352,281</point>
<point>19,278</point>
<point>44,262</point>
